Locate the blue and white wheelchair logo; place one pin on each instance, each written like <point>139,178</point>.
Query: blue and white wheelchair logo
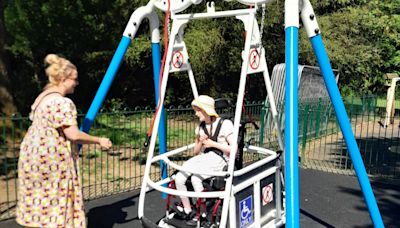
<point>246,212</point>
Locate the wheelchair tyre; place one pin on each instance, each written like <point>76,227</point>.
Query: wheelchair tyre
<point>217,218</point>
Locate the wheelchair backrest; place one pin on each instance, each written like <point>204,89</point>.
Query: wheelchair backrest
<point>226,111</point>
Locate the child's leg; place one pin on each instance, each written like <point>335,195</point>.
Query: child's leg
<point>197,183</point>
<point>180,181</point>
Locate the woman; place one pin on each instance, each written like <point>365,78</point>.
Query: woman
<point>212,148</point>
<point>49,188</point>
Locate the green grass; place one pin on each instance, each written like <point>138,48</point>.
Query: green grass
<point>132,130</point>
<point>380,102</point>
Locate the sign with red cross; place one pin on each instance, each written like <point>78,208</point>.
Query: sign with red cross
<point>267,194</point>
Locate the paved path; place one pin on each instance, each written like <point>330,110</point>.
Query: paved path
<point>379,148</point>
<point>327,200</point>
<point>332,200</point>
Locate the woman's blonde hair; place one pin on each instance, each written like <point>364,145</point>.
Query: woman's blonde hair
<point>58,68</point>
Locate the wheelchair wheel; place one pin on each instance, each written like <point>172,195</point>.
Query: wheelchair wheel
<point>216,218</point>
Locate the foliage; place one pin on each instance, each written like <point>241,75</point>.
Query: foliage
<point>86,32</point>
<point>361,38</point>
<point>362,42</point>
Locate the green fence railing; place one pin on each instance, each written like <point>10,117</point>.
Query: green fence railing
<point>121,169</point>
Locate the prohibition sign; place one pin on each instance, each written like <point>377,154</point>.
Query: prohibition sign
<point>267,194</point>
<point>177,59</point>
<point>254,59</point>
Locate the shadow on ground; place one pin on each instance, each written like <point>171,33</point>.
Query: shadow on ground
<point>381,156</point>
<point>331,200</point>
<point>386,196</point>
<point>110,214</point>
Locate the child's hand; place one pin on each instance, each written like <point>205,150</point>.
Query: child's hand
<point>208,143</point>
<point>203,138</point>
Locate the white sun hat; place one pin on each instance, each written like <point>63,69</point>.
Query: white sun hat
<point>206,103</point>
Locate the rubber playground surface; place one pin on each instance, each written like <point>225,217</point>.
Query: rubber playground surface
<point>326,200</point>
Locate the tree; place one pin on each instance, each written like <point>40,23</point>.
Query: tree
<point>7,106</point>
<point>361,38</point>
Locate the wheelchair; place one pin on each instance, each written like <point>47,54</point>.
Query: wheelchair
<point>207,211</point>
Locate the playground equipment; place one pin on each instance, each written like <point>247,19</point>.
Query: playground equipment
<point>310,82</point>
<point>253,58</point>
<point>311,88</point>
<point>390,104</point>
<point>254,176</point>
<point>257,187</point>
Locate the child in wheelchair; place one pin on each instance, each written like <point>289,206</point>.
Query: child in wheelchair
<point>212,148</point>
<point>214,137</point>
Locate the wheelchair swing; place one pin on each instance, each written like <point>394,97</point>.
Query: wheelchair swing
<point>250,196</point>
<point>208,211</point>
<point>248,182</point>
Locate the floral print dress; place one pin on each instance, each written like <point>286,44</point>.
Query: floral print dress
<point>49,188</point>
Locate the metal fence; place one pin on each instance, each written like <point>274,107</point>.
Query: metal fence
<point>323,146</point>
<point>121,169</point>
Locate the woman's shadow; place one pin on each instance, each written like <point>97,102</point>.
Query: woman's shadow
<point>107,215</point>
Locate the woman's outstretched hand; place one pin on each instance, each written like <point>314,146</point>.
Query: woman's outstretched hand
<point>105,143</point>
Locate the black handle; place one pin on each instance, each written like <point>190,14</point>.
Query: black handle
<point>255,125</point>
<point>146,142</point>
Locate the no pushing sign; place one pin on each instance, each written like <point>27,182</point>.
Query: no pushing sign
<point>267,194</point>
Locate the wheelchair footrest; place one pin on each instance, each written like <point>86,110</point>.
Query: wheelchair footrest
<point>147,223</point>
<point>177,223</point>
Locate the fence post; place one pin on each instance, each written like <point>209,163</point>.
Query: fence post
<point>263,118</point>
<point>166,126</point>
<point>4,137</point>
<point>318,118</point>
<point>304,139</point>
<point>351,107</point>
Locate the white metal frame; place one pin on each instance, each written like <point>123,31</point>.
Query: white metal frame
<point>248,17</point>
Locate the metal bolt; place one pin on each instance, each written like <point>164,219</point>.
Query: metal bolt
<point>316,31</point>
<point>134,24</point>
<point>312,17</point>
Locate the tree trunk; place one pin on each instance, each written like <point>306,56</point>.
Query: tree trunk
<point>7,106</point>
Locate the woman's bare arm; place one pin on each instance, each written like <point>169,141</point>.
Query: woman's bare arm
<point>74,134</point>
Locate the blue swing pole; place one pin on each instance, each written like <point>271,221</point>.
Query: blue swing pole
<point>291,113</point>
<point>162,133</point>
<point>106,83</point>
<point>310,23</point>
<point>129,33</point>
<point>345,126</point>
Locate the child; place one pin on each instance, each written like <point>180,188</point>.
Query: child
<point>212,148</point>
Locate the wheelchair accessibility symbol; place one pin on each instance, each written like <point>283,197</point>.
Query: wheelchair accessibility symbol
<point>246,212</point>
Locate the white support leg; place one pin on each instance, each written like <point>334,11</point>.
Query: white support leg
<point>146,176</point>
<point>236,123</point>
